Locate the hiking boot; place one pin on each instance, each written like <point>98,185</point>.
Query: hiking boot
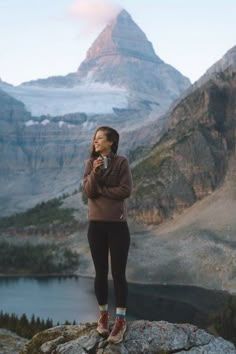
<point>103,323</point>
<point>118,330</point>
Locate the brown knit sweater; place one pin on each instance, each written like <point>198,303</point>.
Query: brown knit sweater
<point>107,189</point>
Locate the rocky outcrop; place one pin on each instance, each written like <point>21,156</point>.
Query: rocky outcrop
<point>141,337</point>
<point>10,342</point>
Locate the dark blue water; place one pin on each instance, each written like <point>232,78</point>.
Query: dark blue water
<point>59,298</point>
<point>73,298</point>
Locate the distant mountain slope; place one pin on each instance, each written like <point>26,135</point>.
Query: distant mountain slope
<point>191,158</point>
<point>11,109</point>
<point>196,247</point>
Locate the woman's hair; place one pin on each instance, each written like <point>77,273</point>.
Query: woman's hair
<point>111,134</point>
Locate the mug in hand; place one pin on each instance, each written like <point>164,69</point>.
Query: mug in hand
<point>105,162</point>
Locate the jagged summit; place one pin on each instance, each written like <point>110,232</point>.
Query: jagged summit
<point>122,36</point>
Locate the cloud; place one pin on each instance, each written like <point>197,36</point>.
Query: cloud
<point>93,14</point>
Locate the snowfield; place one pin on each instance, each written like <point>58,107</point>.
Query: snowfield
<point>89,98</point>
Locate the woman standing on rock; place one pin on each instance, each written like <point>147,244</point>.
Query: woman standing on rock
<point>107,182</point>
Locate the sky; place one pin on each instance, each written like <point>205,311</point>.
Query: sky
<point>42,38</point>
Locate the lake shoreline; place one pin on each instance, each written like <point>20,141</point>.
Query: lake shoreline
<point>2,275</point>
<point>76,275</point>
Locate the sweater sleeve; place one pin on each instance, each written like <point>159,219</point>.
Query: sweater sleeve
<point>90,180</point>
<point>125,187</point>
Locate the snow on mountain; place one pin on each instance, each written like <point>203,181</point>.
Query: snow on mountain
<point>87,97</point>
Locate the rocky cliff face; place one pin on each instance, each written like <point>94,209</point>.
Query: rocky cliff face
<point>140,337</point>
<point>36,160</point>
<point>191,159</point>
<point>12,110</point>
<point>12,117</point>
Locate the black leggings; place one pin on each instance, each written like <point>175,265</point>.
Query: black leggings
<point>102,236</point>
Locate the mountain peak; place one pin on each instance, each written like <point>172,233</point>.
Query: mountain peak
<point>123,56</point>
<point>124,15</point>
<point>122,36</point>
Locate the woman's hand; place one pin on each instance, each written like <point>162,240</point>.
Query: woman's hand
<point>97,163</point>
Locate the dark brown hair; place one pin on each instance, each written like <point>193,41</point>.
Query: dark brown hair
<point>111,134</point>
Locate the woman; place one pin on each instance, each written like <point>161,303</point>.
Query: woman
<point>107,182</point>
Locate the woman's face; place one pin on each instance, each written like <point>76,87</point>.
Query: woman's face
<point>101,144</point>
